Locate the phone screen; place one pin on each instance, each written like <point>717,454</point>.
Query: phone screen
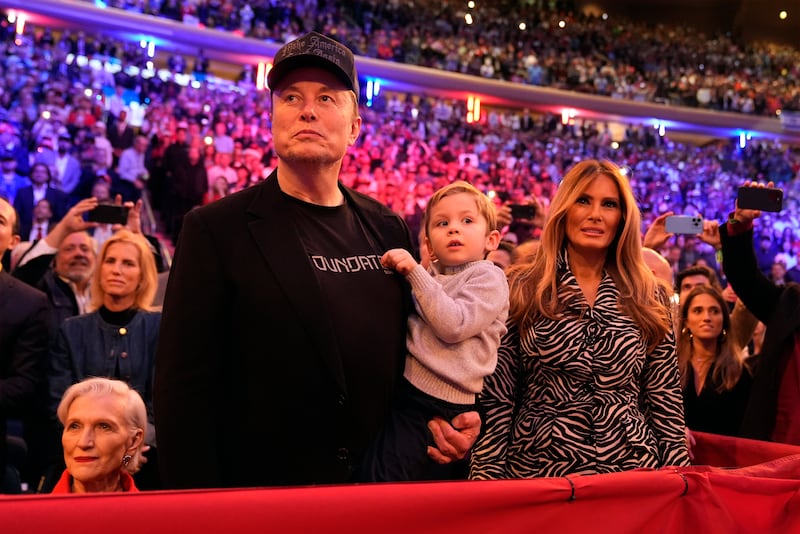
<point>523,211</point>
<point>760,198</point>
<point>108,214</point>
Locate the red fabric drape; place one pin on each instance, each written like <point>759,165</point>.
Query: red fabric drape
<point>757,498</point>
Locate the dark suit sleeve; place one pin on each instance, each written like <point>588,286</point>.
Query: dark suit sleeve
<point>59,371</point>
<point>33,271</point>
<point>191,349</point>
<point>24,368</point>
<point>756,292</point>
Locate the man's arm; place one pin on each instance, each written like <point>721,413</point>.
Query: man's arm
<point>70,223</point>
<point>499,401</point>
<point>755,291</point>
<point>189,361</point>
<point>27,355</point>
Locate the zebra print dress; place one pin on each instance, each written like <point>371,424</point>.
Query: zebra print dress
<point>581,395</point>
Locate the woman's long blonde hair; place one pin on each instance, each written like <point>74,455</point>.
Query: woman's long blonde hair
<point>146,290</point>
<point>729,363</point>
<point>534,286</point>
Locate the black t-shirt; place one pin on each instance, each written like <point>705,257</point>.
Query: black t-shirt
<point>364,301</point>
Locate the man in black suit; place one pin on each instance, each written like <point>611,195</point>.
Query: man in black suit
<point>121,135</point>
<point>28,197</point>
<point>23,345</point>
<point>282,337</point>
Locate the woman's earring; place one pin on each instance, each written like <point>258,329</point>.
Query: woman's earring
<point>724,334</point>
<point>126,459</point>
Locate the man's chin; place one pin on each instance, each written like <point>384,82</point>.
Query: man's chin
<point>78,278</point>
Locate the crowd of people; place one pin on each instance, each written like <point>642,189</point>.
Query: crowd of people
<point>558,47</point>
<point>350,199</point>
<point>80,119</point>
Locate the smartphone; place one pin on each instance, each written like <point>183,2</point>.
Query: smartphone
<point>684,224</point>
<point>108,214</point>
<point>760,198</point>
<point>523,211</point>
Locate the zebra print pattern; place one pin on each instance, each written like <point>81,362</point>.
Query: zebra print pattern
<point>581,395</point>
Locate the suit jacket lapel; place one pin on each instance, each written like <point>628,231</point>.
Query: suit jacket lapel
<point>283,251</point>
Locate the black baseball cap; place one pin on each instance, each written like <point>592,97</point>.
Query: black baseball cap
<point>315,50</point>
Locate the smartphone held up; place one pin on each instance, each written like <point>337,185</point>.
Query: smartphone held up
<point>108,214</point>
<point>684,224</point>
<point>523,211</point>
<point>760,198</point>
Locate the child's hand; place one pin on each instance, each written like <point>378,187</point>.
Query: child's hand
<point>400,260</point>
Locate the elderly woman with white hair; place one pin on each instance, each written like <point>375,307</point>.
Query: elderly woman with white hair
<point>104,432</point>
<point>118,339</point>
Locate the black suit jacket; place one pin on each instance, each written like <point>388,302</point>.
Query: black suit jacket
<point>120,140</point>
<point>23,350</point>
<point>249,387</point>
<point>778,307</point>
<point>23,203</point>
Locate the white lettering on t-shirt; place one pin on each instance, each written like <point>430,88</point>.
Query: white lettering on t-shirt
<point>349,264</point>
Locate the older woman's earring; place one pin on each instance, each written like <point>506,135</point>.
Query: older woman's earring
<point>126,459</point>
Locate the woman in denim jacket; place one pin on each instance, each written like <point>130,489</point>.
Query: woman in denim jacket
<point>118,338</point>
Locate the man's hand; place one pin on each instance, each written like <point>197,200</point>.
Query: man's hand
<point>454,439</point>
<point>72,222</point>
<point>503,214</point>
<point>134,223</point>
<point>400,260</point>
<point>656,235</point>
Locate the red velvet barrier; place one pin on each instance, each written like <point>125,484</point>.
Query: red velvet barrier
<point>725,451</point>
<point>762,496</point>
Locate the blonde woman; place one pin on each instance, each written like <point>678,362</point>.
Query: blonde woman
<point>587,378</point>
<point>118,338</point>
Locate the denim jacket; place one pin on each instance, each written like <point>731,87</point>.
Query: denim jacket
<point>88,346</point>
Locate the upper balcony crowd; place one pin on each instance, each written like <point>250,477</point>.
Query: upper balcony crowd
<point>557,48</point>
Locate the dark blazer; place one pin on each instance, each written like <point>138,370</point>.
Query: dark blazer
<point>23,350</point>
<point>39,273</point>
<point>778,307</point>
<point>23,203</point>
<point>249,383</point>
<point>120,140</point>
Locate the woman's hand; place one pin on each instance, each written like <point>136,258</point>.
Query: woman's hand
<point>710,234</point>
<point>454,439</point>
<point>656,235</point>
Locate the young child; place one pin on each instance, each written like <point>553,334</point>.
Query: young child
<point>462,305</point>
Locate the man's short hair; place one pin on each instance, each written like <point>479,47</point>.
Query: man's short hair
<point>698,270</point>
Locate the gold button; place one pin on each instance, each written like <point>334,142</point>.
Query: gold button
<point>123,331</point>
